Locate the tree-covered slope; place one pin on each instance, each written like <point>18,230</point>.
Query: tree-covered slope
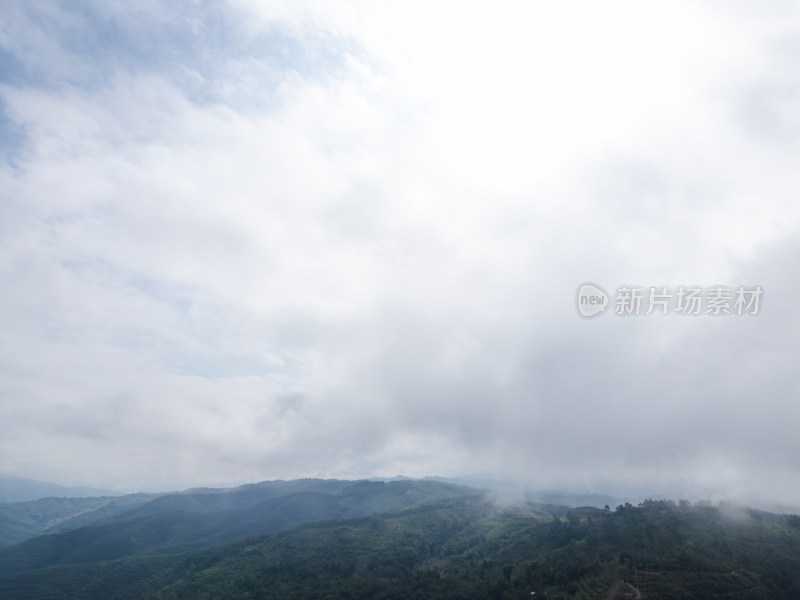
<point>20,521</point>
<point>447,544</point>
<point>466,548</point>
<point>177,523</point>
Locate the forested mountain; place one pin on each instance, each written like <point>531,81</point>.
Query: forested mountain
<point>20,521</point>
<point>406,539</point>
<point>175,523</point>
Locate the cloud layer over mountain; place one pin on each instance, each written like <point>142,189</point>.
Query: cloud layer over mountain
<point>243,241</point>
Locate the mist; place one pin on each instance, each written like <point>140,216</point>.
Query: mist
<point>243,243</point>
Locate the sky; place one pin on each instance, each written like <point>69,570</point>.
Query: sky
<point>246,240</point>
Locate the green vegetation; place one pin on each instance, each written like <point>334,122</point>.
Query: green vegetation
<point>467,549</point>
<point>443,543</point>
<point>20,521</point>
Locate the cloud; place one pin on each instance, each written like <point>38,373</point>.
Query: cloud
<point>247,241</point>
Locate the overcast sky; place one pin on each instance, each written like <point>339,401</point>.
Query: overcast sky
<point>255,240</point>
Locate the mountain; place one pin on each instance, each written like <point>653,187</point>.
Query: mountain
<point>19,489</point>
<point>406,539</point>
<point>176,523</point>
<point>20,521</point>
<point>466,548</point>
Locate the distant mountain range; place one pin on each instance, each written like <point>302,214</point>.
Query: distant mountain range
<point>311,538</point>
<point>19,489</point>
<point>182,521</point>
<point>58,512</point>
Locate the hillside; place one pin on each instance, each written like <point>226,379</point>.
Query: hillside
<point>175,523</point>
<point>20,521</point>
<point>410,539</point>
<point>466,548</point>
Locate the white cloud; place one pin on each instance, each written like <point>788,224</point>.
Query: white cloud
<point>288,240</point>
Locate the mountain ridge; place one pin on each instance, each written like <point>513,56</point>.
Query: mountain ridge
<point>21,489</point>
<point>309,539</point>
